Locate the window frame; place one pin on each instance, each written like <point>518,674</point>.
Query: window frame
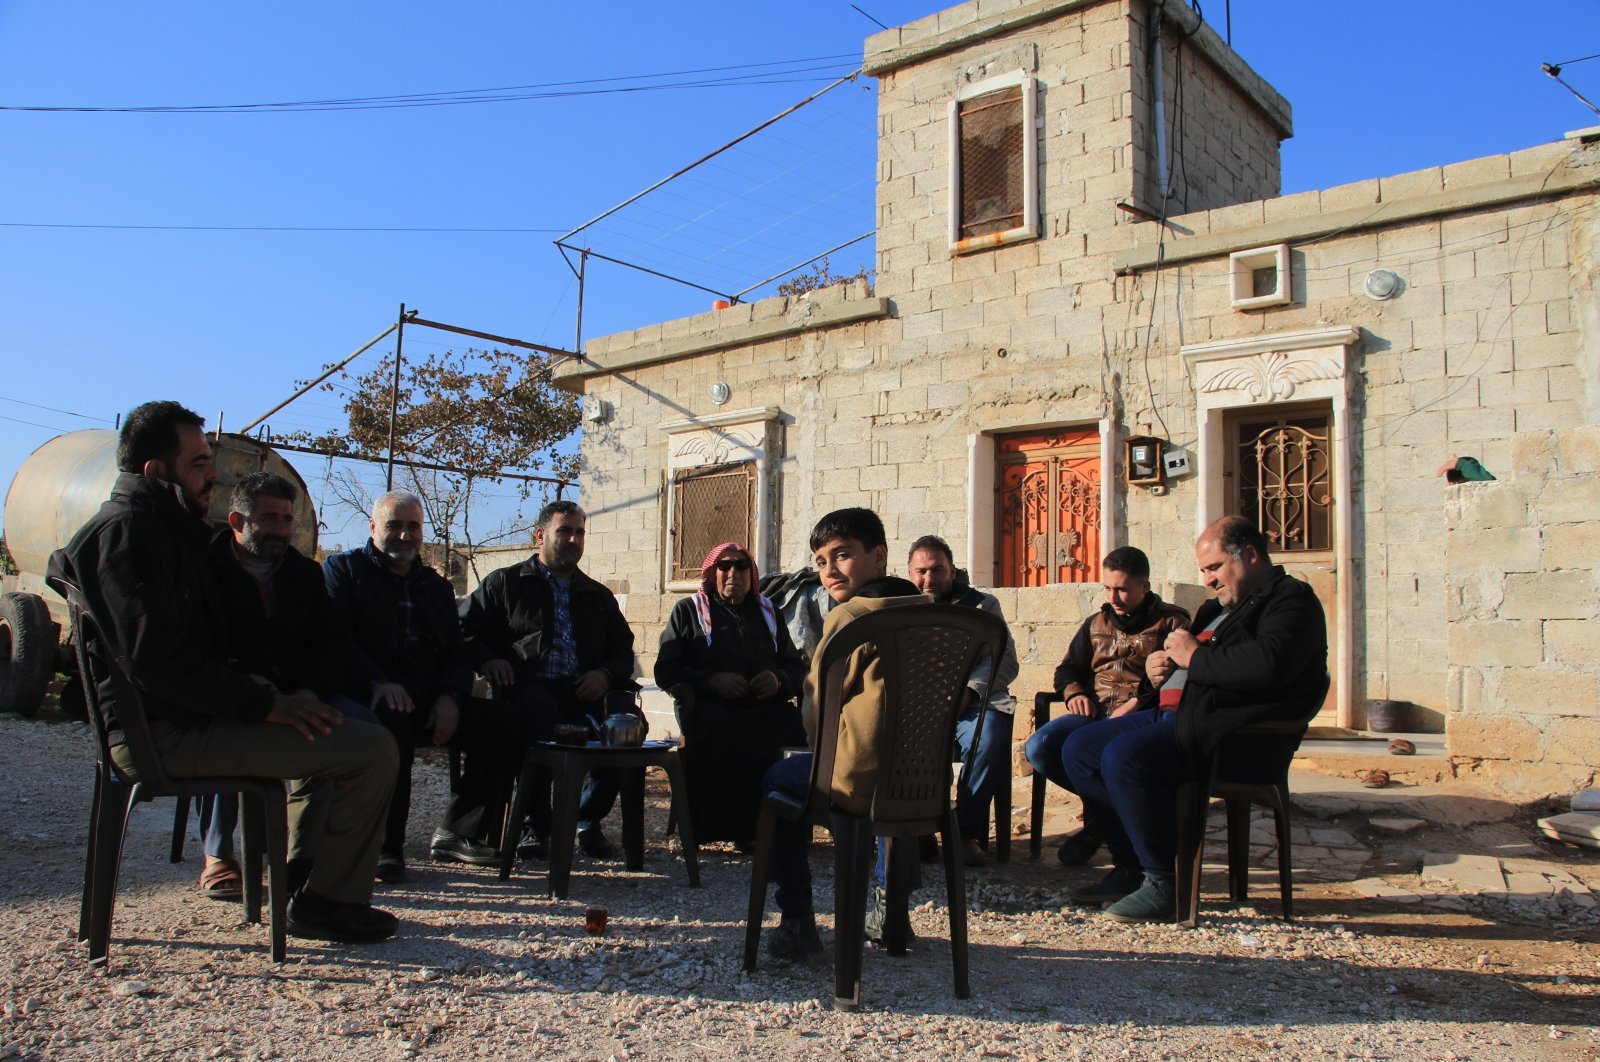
<point>720,439</point>
<point>1030,227</point>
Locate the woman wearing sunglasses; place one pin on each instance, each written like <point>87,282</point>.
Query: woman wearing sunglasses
<point>727,658</point>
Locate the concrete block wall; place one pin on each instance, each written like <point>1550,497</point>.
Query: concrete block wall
<point>1494,336</point>
<point>1523,597</point>
<point>1223,140</point>
<point>1488,338</point>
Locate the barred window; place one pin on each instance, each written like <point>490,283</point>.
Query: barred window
<point>711,504</point>
<point>994,166</point>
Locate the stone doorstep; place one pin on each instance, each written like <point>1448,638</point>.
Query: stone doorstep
<point>1352,758</point>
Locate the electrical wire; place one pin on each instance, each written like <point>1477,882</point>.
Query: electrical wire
<point>263,228</point>
<point>53,409</point>
<point>457,97</point>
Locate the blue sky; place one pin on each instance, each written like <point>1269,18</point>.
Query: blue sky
<point>96,319</point>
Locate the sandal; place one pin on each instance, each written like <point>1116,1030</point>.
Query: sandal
<point>222,880</point>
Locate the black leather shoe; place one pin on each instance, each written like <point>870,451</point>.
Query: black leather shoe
<point>315,917</point>
<point>450,847</point>
<point>878,917</point>
<point>533,846</point>
<point>796,938</point>
<point>592,842</point>
<point>1078,849</point>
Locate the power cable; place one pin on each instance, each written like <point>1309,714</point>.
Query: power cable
<point>53,409</point>
<point>517,93</point>
<point>262,228</point>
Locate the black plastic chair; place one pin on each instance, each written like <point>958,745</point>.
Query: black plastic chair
<point>1041,715</point>
<point>116,794</point>
<point>925,655</point>
<point>1239,797</point>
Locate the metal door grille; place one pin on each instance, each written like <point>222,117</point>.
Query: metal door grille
<point>1285,482</point>
<point>991,162</point>
<point>711,504</point>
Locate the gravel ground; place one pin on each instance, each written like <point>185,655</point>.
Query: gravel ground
<point>491,969</point>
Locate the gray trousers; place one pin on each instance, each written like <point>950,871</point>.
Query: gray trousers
<point>355,768</point>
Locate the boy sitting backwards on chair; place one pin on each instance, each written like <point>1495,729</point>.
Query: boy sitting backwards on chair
<point>851,555</point>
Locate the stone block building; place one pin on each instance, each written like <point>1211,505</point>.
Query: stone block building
<point>1096,322</point>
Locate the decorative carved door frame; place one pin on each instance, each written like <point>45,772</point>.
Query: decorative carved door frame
<point>1268,370</point>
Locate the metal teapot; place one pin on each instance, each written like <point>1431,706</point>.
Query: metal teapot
<point>622,730</point>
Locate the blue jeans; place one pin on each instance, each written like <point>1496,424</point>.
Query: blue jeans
<point>791,842</point>
<point>220,818</point>
<point>987,767</point>
<point>1130,768</point>
<point>1046,745</point>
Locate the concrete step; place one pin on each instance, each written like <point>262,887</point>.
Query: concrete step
<point>1351,758</point>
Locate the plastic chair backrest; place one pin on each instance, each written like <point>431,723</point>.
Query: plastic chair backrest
<point>127,702</point>
<point>926,653</point>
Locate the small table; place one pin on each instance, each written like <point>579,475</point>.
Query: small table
<point>569,765</point>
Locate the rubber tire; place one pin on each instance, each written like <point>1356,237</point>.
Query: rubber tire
<point>27,652</point>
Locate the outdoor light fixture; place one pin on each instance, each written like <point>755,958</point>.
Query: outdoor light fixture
<point>720,393</point>
<point>1382,285</point>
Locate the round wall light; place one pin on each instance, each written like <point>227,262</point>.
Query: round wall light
<point>1383,284</point>
<point>720,393</point>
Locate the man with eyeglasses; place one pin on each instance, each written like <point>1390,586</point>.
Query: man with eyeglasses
<point>555,643</point>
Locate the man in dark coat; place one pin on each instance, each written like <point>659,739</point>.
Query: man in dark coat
<point>409,663</point>
<point>1102,675</point>
<point>141,565</point>
<point>555,641</point>
<point>280,626</point>
<point>1258,652</point>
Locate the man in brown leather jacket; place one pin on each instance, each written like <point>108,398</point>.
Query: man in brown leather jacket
<point>1103,674</point>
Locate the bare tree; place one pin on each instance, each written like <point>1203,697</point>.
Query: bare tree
<point>479,412</point>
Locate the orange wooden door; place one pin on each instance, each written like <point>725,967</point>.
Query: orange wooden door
<point>1048,509</point>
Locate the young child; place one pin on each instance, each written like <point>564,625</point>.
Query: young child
<point>851,555</point>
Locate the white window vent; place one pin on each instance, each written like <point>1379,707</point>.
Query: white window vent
<point>1259,277</point>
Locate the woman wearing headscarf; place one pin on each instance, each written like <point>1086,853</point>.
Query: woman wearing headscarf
<point>734,653</point>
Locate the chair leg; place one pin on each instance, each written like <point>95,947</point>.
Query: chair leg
<point>1280,820</point>
<point>116,808</point>
<point>254,840</point>
<point>852,855</point>
<point>1002,820</point>
<point>1191,812</point>
<point>955,886</point>
<point>679,788</point>
<point>180,826</point>
<point>86,902</point>
<point>766,826</point>
<point>1036,817</point>
<point>1238,850</point>
<point>276,838</point>
<point>520,799</point>
<point>896,922</point>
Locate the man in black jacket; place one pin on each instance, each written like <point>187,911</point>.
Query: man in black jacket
<point>140,562</point>
<point>409,663</point>
<point>280,626</point>
<point>556,642</point>
<point>1258,652</point>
